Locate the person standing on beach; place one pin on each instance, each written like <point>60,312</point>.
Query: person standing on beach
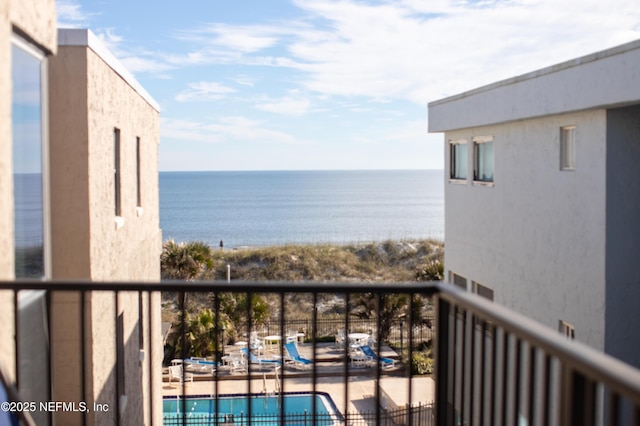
<point>221,245</point>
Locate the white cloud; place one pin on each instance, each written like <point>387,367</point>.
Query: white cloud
<point>204,91</point>
<point>244,80</point>
<point>223,130</point>
<point>245,39</point>
<point>420,51</point>
<point>294,104</point>
<point>71,15</point>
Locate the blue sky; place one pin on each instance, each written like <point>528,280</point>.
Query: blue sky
<point>331,84</point>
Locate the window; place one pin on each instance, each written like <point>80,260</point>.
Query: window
<point>483,159</point>
<point>567,329</point>
<point>138,183</point>
<point>31,217</point>
<point>567,148</point>
<point>28,122</point>
<point>458,159</point>
<point>458,280</point>
<point>116,171</point>
<point>482,291</point>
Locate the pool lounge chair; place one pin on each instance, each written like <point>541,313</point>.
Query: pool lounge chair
<point>294,355</point>
<point>175,373</point>
<point>200,365</point>
<point>237,363</point>
<point>384,362</point>
<point>260,362</point>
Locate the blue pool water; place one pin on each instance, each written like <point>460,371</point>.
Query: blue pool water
<point>265,410</point>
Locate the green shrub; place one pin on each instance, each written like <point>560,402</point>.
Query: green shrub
<point>422,363</point>
<point>431,271</point>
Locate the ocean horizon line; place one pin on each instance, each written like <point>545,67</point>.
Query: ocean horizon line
<point>301,170</point>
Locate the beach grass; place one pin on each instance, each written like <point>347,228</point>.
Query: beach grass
<point>387,261</point>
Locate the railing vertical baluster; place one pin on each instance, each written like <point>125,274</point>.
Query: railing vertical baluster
<point>16,338</point>
<point>532,385</point>
<point>494,375</point>
<point>409,357</point>
<point>248,358</point>
<point>505,376</point>
<point>614,408</point>
<point>463,364</point>
<point>117,352</point>
<point>454,366</point>
<point>548,388</point>
<point>281,390</point>
<point>379,307</point>
<point>149,356</point>
<point>518,382</point>
<point>472,365</point>
<point>483,377</point>
<point>314,371</point>
<point>183,355</point>
<point>83,353</point>
<point>578,392</point>
<point>346,352</point>
<point>218,358</point>
<point>443,362</point>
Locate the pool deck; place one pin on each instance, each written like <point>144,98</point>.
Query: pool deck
<point>359,394</point>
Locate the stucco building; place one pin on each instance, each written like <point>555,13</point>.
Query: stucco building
<point>81,181</point>
<point>542,196</point>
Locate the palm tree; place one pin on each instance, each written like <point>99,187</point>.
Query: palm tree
<point>185,261</point>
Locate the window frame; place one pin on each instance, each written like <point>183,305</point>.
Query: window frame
<point>477,142</point>
<point>454,146</point>
<point>568,148</point>
<point>33,50</point>
<point>482,290</point>
<point>456,280</point>
<point>566,329</point>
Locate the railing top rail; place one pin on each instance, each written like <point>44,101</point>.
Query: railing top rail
<point>594,364</point>
<point>221,286</point>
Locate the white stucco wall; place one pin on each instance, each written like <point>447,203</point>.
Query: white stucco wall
<point>537,236</point>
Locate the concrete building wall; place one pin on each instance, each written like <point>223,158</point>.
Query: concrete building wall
<point>95,97</point>
<point>536,237</point>
<point>34,20</point>
<point>623,234</point>
<point>570,240</point>
<point>135,236</point>
<point>70,212</point>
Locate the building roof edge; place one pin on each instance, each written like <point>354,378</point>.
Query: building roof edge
<point>85,37</point>
<point>632,45</point>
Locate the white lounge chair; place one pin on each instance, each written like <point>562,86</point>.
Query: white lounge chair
<point>237,364</point>
<point>341,339</point>
<point>176,373</point>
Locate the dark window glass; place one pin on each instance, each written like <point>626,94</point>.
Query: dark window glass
<point>458,161</point>
<point>116,170</point>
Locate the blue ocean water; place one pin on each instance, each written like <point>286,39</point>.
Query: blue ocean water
<point>260,208</point>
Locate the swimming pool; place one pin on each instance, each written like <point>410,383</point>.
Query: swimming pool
<point>265,410</point>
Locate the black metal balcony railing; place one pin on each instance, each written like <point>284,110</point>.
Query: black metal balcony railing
<point>492,366</point>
